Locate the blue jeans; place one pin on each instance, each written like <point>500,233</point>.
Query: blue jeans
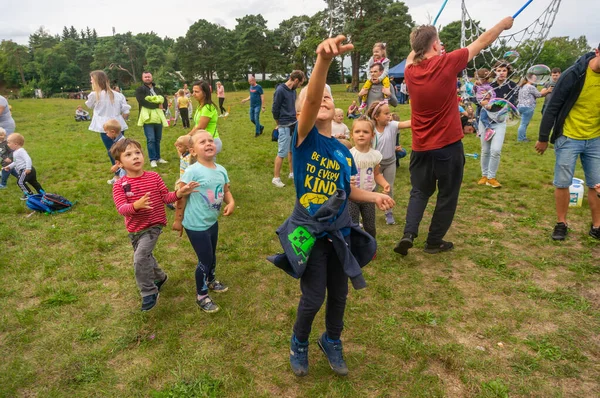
<point>205,246</point>
<point>491,150</point>
<point>153,133</point>
<point>255,118</point>
<point>526,115</point>
<point>6,174</point>
<point>108,143</point>
<point>567,151</point>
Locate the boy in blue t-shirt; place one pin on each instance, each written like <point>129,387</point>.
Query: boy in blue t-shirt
<point>322,166</point>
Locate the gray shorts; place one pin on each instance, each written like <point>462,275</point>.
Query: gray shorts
<point>284,142</point>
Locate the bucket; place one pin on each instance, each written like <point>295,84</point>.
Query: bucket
<point>576,193</point>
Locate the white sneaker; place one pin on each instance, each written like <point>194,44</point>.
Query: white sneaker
<point>226,114</point>
<point>221,115</point>
<point>153,163</point>
<point>162,161</point>
<point>112,180</point>
<point>291,176</point>
<point>277,182</point>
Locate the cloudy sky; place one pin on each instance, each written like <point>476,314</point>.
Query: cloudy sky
<point>172,18</point>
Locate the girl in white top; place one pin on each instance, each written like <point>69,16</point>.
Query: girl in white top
<point>384,141</point>
<point>369,174</point>
<point>107,104</point>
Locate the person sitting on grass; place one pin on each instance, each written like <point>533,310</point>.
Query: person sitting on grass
<point>198,214</point>
<point>140,197</point>
<point>25,172</point>
<point>112,129</point>
<point>81,115</point>
<point>320,223</point>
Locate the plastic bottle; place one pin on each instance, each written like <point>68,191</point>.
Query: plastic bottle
<point>472,155</point>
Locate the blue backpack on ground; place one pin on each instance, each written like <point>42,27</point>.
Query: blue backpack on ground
<point>275,135</point>
<point>48,203</point>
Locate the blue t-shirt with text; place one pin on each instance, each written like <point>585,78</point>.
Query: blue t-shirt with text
<point>255,93</point>
<point>321,165</point>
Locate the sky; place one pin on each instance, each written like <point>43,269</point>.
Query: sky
<point>18,22</point>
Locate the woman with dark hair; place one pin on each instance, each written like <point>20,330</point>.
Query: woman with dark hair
<point>107,104</point>
<point>492,148</point>
<point>206,115</point>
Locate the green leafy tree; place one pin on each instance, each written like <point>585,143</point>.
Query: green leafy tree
<point>255,44</point>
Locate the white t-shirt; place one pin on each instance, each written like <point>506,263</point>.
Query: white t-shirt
<point>105,110</point>
<point>340,130</point>
<point>365,164</point>
<point>385,141</point>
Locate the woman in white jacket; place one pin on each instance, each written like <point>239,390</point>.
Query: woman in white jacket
<point>107,104</point>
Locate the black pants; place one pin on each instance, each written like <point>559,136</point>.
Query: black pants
<point>23,179</point>
<point>324,273</point>
<point>367,211</point>
<point>205,246</point>
<point>221,100</point>
<point>185,117</point>
<point>443,167</point>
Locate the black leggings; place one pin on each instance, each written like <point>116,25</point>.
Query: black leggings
<point>205,246</point>
<point>221,100</point>
<point>23,179</point>
<point>185,117</point>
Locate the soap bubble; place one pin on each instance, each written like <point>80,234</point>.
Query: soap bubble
<point>511,56</point>
<point>504,111</point>
<point>538,74</point>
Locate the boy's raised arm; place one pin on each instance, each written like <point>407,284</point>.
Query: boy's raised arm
<point>326,51</point>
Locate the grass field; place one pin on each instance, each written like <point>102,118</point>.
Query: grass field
<point>509,312</point>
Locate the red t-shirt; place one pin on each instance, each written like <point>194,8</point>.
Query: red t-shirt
<point>127,190</point>
<point>435,121</point>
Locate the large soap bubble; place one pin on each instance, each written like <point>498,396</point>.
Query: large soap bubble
<point>538,74</point>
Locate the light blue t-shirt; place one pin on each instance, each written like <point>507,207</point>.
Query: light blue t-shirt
<point>203,207</point>
<point>321,165</point>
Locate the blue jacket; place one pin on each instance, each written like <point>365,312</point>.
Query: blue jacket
<point>298,234</point>
<point>564,96</point>
<point>284,105</point>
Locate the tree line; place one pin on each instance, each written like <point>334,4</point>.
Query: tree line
<point>57,63</point>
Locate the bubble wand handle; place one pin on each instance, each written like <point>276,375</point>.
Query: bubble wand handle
<point>521,9</point>
<point>440,12</point>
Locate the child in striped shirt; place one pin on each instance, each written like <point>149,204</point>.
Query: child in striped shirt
<point>140,197</point>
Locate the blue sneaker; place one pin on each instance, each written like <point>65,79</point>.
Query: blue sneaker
<point>333,352</point>
<point>148,302</point>
<point>2,186</point>
<point>299,357</point>
<point>159,284</point>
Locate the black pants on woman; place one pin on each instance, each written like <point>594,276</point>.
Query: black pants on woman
<point>221,100</point>
<point>323,273</point>
<point>185,117</point>
<point>23,179</point>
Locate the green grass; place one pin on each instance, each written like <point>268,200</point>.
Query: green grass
<point>509,312</point>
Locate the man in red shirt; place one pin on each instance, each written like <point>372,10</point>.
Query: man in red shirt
<point>438,156</point>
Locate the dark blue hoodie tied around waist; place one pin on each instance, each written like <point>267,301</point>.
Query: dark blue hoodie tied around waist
<point>298,234</point>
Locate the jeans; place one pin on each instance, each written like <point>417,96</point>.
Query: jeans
<point>108,143</point>
<point>443,167</point>
<point>526,115</point>
<point>145,265</point>
<point>255,118</point>
<point>567,151</point>
<point>153,133</point>
<point>491,150</point>
<point>205,246</point>
<point>324,274</point>
<point>6,174</point>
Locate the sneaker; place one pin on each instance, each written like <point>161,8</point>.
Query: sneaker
<point>153,163</point>
<point>226,114</point>
<point>389,218</point>
<point>149,302</point>
<point>560,231</point>
<point>170,206</point>
<point>207,305</point>
<point>482,181</point>
<point>299,357</point>
<point>438,248</point>
<point>262,128</point>
<point>291,176</point>
<point>489,133</point>
<point>112,180</point>
<point>160,284</point>
<point>594,232</point>
<point>162,161</point>
<point>24,197</point>
<point>217,287</point>
<point>492,182</point>
<point>221,115</point>
<point>277,182</point>
<point>333,352</point>
<point>362,106</point>
<point>405,243</point>
<point>2,186</point>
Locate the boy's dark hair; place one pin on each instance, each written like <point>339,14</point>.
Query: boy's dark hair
<point>121,146</point>
<point>378,66</point>
<point>502,63</point>
<point>421,39</point>
<point>297,74</point>
<point>556,70</point>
